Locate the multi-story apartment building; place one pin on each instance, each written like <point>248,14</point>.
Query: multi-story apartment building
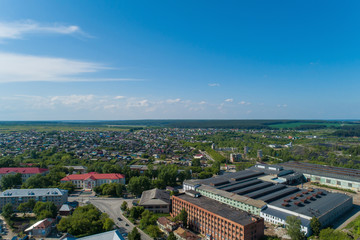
<point>25,172</point>
<point>90,180</point>
<point>218,221</point>
<point>17,196</point>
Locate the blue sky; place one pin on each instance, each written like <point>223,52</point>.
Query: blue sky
<point>114,60</point>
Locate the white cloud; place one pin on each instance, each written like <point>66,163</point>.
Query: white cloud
<point>72,99</point>
<point>173,100</point>
<point>214,85</point>
<point>16,30</point>
<point>282,105</point>
<point>244,103</point>
<point>28,68</point>
<point>229,100</point>
<point>91,106</point>
<point>119,97</point>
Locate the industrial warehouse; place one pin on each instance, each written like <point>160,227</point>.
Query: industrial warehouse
<point>262,190</point>
<point>333,176</point>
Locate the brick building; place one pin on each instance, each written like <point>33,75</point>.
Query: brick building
<point>218,221</point>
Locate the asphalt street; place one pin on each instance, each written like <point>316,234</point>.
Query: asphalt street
<point>111,206</point>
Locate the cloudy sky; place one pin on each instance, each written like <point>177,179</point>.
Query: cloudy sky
<point>115,60</point>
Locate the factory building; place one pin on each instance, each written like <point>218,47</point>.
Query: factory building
<point>217,221</point>
<point>345,178</point>
<point>262,191</point>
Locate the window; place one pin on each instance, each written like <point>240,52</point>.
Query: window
<point>338,182</point>
<point>349,184</point>
<point>328,181</point>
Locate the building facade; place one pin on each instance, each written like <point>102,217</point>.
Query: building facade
<point>17,196</point>
<point>345,178</point>
<point>240,202</point>
<point>218,221</point>
<point>155,200</point>
<point>25,172</point>
<point>88,181</point>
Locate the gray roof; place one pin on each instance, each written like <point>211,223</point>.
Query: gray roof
<point>316,206</point>
<point>234,196</point>
<point>227,178</point>
<point>220,209</point>
<point>155,197</point>
<point>65,207</point>
<point>283,216</point>
<point>111,235</point>
<point>326,171</point>
<point>32,192</point>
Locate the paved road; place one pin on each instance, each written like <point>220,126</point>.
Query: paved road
<point>111,206</point>
<point>206,155</point>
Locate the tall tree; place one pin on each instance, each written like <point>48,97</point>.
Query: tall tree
<point>124,206</point>
<point>315,226</point>
<point>134,234</point>
<point>7,210</point>
<point>293,226</point>
<point>139,184</point>
<point>10,181</point>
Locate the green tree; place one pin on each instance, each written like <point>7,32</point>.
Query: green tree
<point>293,227</point>
<point>67,186</point>
<point>47,209</point>
<point>196,163</point>
<point>139,184</point>
<point>124,206</point>
<point>147,219</point>
<point>153,231</point>
<point>109,189</point>
<point>108,224</point>
<point>36,181</point>
<point>7,210</point>
<point>168,174</point>
<point>120,189</point>
<point>31,204</point>
<point>10,181</point>
<point>315,226</point>
<point>45,214</point>
<point>171,236</point>
<point>135,212</point>
<point>134,234</point>
<point>23,208</point>
<point>183,217</point>
<point>85,221</point>
<point>158,183</point>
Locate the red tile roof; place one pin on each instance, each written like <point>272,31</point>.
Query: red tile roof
<point>25,170</point>
<point>93,175</point>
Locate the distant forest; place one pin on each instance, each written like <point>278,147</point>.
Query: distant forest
<point>345,128</point>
